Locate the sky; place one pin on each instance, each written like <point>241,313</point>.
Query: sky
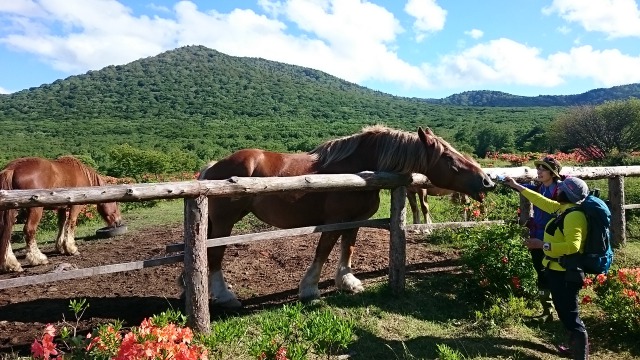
<point>414,48</point>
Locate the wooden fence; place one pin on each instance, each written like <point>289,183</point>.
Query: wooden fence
<point>196,195</point>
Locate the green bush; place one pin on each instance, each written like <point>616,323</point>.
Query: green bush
<point>499,264</point>
<point>503,313</point>
<point>296,331</point>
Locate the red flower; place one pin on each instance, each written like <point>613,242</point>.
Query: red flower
<point>516,282</point>
<point>586,299</point>
<point>504,259</point>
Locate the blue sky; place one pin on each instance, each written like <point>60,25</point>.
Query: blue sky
<point>418,48</point>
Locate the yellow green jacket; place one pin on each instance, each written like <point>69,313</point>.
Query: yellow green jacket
<point>575,229</point>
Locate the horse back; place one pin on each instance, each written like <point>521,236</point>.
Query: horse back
<point>259,163</point>
<point>39,173</point>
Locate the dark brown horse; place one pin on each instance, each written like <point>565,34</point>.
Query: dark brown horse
<point>38,173</point>
<point>376,148</point>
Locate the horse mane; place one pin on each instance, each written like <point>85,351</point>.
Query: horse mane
<point>392,147</point>
<point>94,178</point>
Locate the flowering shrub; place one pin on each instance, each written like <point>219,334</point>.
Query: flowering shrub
<point>576,157</point>
<point>155,338</point>
<point>45,348</point>
<point>498,262</point>
<point>618,295</point>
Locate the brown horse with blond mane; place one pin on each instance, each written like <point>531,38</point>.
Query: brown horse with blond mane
<point>38,173</point>
<point>376,148</point>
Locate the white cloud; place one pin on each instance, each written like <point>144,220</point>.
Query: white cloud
<point>505,61</point>
<point>4,91</point>
<point>474,33</point>
<point>430,17</point>
<point>160,8</point>
<point>21,8</point>
<point>606,67</point>
<point>617,18</point>
<point>94,34</point>
<point>498,61</point>
<point>80,35</point>
<point>91,34</point>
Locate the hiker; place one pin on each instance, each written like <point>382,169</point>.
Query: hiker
<point>563,283</point>
<point>548,170</point>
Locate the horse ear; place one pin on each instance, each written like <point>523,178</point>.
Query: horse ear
<point>424,136</point>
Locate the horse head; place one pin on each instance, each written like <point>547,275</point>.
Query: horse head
<point>110,213</point>
<point>449,169</point>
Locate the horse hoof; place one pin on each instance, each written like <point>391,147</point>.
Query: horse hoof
<point>349,283</point>
<point>353,289</point>
<point>36,259</point>
<point>12,269</point>
<point>309,295</point>
<point>228,304</point>
<point>312,302</point>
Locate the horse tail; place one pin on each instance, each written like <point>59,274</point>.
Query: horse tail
<point>6,216</point>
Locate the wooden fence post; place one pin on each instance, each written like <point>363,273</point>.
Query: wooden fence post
<point>526,210</point>
<point>616,204</point>
<point>195,263</point>
<point>398,241</point>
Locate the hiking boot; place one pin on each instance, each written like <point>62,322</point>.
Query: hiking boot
<point>580,345</point>
<point>547,309</point>
<point>578,348</point>
<point>564,351</point>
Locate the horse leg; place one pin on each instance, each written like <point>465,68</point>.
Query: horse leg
<point>345,280</point>
<point>308,289</point>
<point>66,243</point>
<point>221,226</point>
<point>34,256</point>
<point>414,206</point>
<point>426,213</point>
<point>62,226</point>
<point>10,261</point>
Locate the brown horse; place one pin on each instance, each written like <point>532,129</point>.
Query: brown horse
<point>376,148</point>
<point>38,173</point>
<point>422,193</point>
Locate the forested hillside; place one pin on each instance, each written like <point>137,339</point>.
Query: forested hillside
<point>204,104</point>
<point>497,98</point>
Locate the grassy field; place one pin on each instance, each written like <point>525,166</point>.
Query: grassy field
<point>433,318</point>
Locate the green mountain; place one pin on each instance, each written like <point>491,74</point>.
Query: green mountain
<point>497,98</point>
<point>195,81</point>
<point>199,101</point>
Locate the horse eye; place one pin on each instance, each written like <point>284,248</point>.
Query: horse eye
<point>453,165</point>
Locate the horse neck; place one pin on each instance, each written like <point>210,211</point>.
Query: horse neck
<point>94,178</point>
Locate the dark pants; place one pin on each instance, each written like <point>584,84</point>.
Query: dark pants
<point>564,293</point>
<point>536,257</point>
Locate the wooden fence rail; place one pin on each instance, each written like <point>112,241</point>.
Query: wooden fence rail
<point>196,195</point>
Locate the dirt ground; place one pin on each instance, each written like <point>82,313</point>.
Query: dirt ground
<point>262,274</point>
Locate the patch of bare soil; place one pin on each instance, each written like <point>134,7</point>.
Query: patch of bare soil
<point>262,274</point>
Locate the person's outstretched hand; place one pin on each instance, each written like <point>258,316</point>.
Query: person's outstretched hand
<point>510,182</point>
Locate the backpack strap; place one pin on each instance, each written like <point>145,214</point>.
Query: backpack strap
<point>558,222</point>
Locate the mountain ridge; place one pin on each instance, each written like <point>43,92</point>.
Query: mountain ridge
<point>502,99</point>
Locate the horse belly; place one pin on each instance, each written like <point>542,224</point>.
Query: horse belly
<point>298,210</point>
